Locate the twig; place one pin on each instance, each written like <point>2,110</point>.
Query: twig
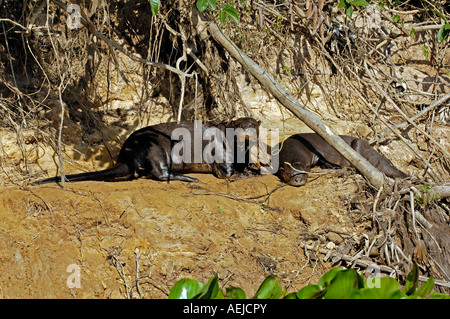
<point>60,158</point>
<point>118,264</point>
<point>120,48</point>
<point>323,172</point>
<point>27,31</point>
<point>402,113</point>
<point>413,215</point>
<point>60,89</point>
<point>253,199</point>
<point>138,287</point>
<point>412,118</point>
<point>182,75</point>
<point>423,28</point>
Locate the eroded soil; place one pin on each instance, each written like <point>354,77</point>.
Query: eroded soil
<point>175,229</point>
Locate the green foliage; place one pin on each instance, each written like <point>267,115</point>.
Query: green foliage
<point>349,5</point>
<point>235,293</point>
<point>444,30</point>
<point>338,283</point>
<point>412,280</point>
<point>423,199</point>
<point>202,5</point>
<point>185,289</point>
<point>154,5</point>
<point>270,289</point>
<point>228,11</point>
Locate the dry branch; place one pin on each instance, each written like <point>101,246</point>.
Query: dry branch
<point>412,118</point>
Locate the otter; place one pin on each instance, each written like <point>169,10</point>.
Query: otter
<point>301,152</point>
<point>244,139</point>
<point>148,152</point>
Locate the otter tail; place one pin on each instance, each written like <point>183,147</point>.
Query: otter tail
<point>109,174</point>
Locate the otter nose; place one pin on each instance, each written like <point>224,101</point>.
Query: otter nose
<point>229,170</point>
<point>298,180</point>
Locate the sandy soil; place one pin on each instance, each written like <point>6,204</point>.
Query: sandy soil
<point>171,230</point>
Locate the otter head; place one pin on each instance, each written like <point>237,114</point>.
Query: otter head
<point>223,165</point>
<point>246,128</point>
<point>293,174</point>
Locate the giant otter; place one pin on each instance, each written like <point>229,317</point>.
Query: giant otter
<point>244,142</point>
<point>148,152</point>
<point>301,152</point>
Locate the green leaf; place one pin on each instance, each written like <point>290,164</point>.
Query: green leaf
<point>411,280</point>
<point>329,276</point>
<point>212,4</point>
<point>231,12</point>
<point>412,33</point>
<point>202,5</point>
<point>292,295</point>
<point>343,4</point>
<point>270,289</point>
<point>350,11</point>
<point>425,289</point>
<point>154,5</point>
<point>222,17</point>
<point>435,295</point>
<point>311,292</point>
<point>443,32</point>
<point>235,293</point>
<point>344,284</point>
<point>396,18</point>
<point>440,15</point>
<point>211,290</point>
<point>386,288</point>
<point>185,289</point>
<point>360,3</point>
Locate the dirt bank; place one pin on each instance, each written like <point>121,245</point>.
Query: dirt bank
<point>176,229</point>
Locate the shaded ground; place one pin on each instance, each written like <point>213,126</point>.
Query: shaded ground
<point>178,233</point>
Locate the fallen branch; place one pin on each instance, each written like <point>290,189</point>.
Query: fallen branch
<point>374,176</point>
<point>364,100</point>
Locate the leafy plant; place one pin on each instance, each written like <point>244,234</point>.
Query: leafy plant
<point>444,30</point>
<point>228,11</point>
<point>338,283</point>
<point>349,5</point>
<point>154,5</point>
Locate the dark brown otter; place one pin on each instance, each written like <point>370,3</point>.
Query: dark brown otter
<point>244,141</point>
<point>148,152</point>
<point>301,152</point>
